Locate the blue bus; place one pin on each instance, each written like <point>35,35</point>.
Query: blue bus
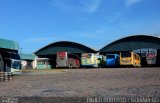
<point>112,60</point>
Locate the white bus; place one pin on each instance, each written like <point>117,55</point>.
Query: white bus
<point>65,59</point>
<point>91,60</point>
<point>10,62</point>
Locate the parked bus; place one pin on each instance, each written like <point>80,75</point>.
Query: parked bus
<point>42,63</point>
<point>10,62</point>
<point>112,60</point>
<point>130,59</point>
<point>151,56</point>
<point>65,59</point>
<point>90,60</point>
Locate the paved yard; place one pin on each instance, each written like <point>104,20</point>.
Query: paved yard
<point>142,82</point>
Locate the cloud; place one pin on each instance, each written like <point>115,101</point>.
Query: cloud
<point>38,39</point>
<point>59,3</point>
<point>94,34</point>
<point>63,5</point>
<point>91,6</point>
<point>120,14</point>
<point>129,3</point>
<point>33,44</point>
<point>85,35</point>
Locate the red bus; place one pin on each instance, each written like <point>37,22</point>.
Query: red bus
<point>65,59</point>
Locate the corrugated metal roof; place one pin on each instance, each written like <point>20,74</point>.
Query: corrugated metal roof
<point>67,46</point>
<point>131,43</point>
<point>8,44</point>
<point>27,56</point>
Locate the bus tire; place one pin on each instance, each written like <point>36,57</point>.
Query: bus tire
<point>77,66</point>
<point>70,66</point>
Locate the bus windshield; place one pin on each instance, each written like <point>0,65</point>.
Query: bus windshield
<point>86,55</point>
<point>16,64</point>
<point>125,54</point>
<point>110,56</point>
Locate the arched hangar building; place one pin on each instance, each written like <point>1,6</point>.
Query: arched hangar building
<point>50,50</point>
<point>139,43</point>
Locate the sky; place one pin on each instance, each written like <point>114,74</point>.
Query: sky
<point>94,23</point>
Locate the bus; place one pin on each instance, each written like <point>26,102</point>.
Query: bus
<point>90,60</point>
<point>130,59</point>
<point>112,60</point>
<point>42,63</point>
<point>10,62</point>
<point>151,56</point>
<point>65,59</point>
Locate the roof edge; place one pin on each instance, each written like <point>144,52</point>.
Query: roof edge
<point>64,41</point>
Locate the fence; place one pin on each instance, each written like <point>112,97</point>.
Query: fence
<point>6,76</point>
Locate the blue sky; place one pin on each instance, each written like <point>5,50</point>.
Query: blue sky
<point>94,23</point>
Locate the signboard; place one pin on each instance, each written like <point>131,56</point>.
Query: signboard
<point>61,55</point>
<point>151,56</point>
